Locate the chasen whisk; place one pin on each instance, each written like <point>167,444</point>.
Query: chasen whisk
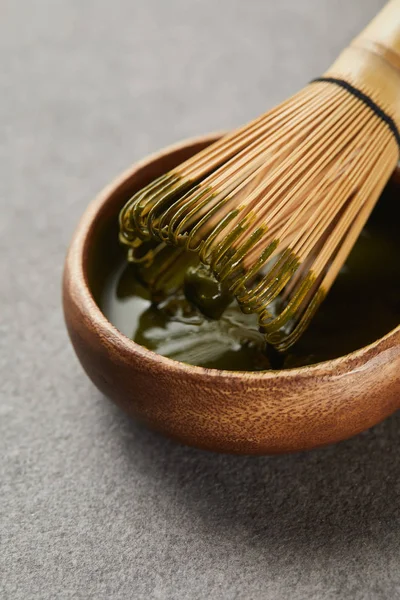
<point>275,207</point>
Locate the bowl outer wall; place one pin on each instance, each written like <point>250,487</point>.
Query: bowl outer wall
<point>238,412</point>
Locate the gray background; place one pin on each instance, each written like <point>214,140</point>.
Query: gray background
<point>92,504</point>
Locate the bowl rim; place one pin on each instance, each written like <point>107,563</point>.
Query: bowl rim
<point>75,264</point>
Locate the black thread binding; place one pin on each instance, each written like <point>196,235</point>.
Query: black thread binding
<point>367,101</point>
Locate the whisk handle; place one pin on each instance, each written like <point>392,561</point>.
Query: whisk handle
<point>382,35</point>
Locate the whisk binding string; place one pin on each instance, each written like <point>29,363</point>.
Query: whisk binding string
<point>367,101</point>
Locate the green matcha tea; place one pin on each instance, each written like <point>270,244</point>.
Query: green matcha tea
<point>363,305</point>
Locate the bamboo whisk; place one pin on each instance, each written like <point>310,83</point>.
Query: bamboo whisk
<point>275,207</point>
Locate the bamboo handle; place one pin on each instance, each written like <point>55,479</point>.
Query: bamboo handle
<point>382,35</point>
<point>372,61</point>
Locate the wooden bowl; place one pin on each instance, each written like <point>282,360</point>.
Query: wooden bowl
<point>227,411</point>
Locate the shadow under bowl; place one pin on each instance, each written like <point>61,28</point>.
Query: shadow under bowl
<point>226,411</point>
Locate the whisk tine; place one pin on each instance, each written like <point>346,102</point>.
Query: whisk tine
<point>275,207</point>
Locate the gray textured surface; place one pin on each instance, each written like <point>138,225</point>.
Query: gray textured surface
<point>92,505</point>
